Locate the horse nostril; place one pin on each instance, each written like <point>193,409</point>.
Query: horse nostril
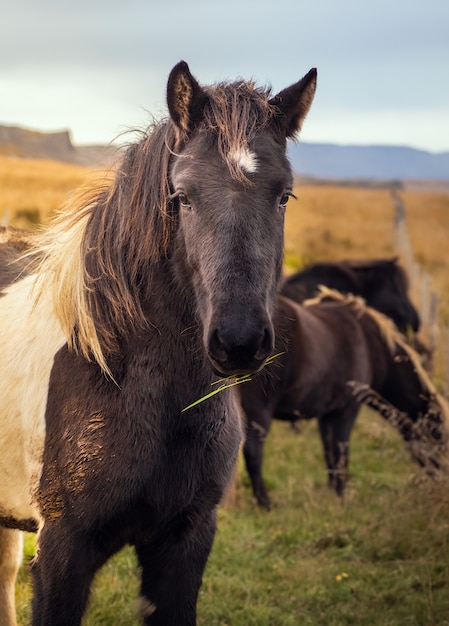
<point>266,345</point>
<point>216,347</point>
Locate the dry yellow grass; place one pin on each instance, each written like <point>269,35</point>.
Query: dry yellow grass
<point>334,222</point>
<point>31,190</point>
<point>324,223</point>
<point>428,226</point>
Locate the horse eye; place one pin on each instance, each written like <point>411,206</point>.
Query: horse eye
<point>284,199</point>
<point>184,201</point>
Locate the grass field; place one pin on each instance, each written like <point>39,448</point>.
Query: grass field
<point>380,557</point>
<point>32,190</point>
<point>334,222</point>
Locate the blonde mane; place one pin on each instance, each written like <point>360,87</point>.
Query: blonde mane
<point>60,278</point>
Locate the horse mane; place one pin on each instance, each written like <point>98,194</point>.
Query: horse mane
<point>387,328</point>
<point>426,382</point>
<point>98,253</point>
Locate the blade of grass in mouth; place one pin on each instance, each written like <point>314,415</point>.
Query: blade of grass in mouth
<point>227,382</point>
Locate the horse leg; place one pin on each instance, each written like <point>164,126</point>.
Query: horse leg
<point>256,431</point>
<point>172,569</point>
<point>11,550</point>
<point>63,573</point>
<point>335,430</point>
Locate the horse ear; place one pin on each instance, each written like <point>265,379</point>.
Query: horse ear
<point>293,103</point>
<point>185,98</point>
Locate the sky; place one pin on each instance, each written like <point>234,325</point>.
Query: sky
<point>99,68</point>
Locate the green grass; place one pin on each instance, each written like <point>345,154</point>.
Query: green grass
<point>378,558</point>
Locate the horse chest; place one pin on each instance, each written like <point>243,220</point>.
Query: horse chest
<point>115,447</point>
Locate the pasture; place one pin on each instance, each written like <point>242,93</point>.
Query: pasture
<point>378,558</point>
<point>381,556</point>
<point>31,189</point>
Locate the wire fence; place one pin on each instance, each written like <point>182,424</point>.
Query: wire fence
<point>425,296</point>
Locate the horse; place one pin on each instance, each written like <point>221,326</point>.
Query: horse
<point>382,283</point>
<point>14,244</point>
<point>333,354</point>
<point>145,291</point>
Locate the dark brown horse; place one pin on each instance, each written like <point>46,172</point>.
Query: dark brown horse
<point>335,354</point>
<point>145,292</point>
<point>382,283</point>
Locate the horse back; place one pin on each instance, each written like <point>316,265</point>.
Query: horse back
<point>305,283</point>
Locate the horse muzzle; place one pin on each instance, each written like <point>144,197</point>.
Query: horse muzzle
<point>235,352</point>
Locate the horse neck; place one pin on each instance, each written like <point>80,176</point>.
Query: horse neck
<point>171,299</point>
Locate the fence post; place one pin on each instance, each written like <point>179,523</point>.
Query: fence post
<point>421,289</point>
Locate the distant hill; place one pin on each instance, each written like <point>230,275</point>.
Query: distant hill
<point>320,161</point>
<point>33,144</point>
<point>367,162</point>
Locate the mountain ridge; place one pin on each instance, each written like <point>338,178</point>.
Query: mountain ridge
<point>325,161</point>
<point>334,161</point>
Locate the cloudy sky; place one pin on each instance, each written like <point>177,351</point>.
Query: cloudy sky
<point>99,67</point>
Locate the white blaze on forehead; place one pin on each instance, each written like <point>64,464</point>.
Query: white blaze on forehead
<point>245,158</point>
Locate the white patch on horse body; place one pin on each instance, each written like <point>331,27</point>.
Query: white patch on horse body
<point>11,552</point>
<point>30,337</point>
<point>246,159</point>
<point>146,607</point>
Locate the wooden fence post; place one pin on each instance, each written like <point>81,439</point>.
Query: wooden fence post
<point>421,289</point>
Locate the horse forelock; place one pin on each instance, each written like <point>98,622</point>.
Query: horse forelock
<point>236,112</point>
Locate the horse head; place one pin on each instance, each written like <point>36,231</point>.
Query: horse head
<point>384,285</point>
<point>230,182</point>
